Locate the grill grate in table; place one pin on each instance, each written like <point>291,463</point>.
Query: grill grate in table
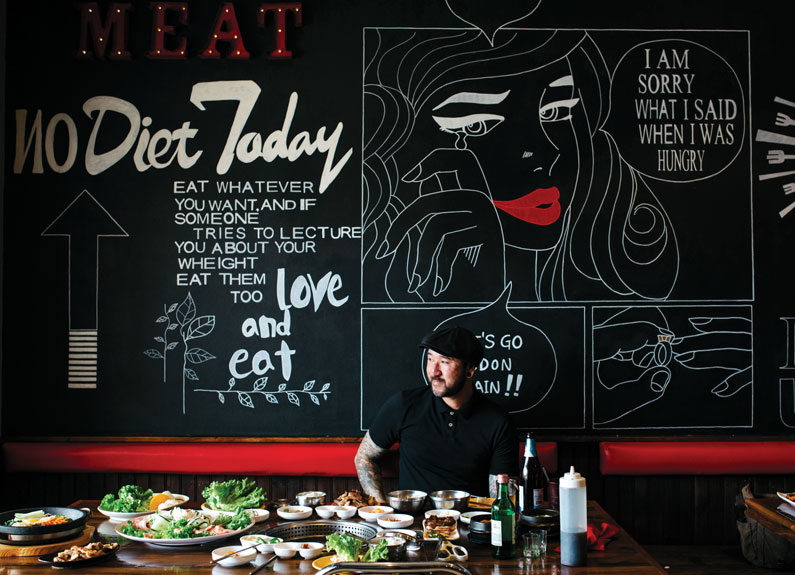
<point>307,529</point>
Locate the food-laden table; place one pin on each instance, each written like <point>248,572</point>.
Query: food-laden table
<point>623,555</point>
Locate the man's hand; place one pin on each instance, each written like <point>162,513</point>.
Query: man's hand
<point>367,468</point>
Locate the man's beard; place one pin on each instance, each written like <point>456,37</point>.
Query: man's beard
<point>457,387</point>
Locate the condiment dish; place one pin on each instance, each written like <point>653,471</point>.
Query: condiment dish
<point>310,550</point>
<point>233,555</point>
<point>326,511</point>
<point>395,520</point>
<point>346,511</point>
<point>285,550</point>
<point>294,512</point>
<point>373,512</point>
<point>263,542</point>
<point>311,498</point>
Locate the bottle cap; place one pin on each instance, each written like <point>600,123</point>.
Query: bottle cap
<point>571,480</point>
<point>502,478</point>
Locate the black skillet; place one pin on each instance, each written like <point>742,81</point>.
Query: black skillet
<point>33,534</point>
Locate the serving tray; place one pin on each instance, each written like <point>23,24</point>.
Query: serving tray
<point>43,549</point>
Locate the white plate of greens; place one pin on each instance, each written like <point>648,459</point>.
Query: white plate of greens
<point>131,501</point>
<point>178,527</point>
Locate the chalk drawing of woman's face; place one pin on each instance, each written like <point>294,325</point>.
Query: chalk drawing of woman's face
<point>520,129</point>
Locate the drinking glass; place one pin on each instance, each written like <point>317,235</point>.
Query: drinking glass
<point>538,537</point>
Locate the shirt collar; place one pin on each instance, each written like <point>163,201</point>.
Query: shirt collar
<point>466,410</point>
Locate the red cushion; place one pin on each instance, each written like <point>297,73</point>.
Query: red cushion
<point>697,457</point>
<point>297,459</point>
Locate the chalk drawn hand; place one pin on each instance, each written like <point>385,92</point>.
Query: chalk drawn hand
<point>784,120</point>
<point>449,219</point>
<point>630,366</point>
<point>778,157</point>
<point>720,345</point>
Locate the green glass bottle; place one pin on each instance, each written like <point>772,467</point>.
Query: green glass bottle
<point>503,522</point>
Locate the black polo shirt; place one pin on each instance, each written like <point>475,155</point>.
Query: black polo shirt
<point>443,448</point>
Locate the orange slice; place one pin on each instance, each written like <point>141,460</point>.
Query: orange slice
<point>157,500</point>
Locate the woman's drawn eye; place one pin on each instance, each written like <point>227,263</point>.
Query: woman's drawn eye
<point>557,111</point>
<point>472,125</point>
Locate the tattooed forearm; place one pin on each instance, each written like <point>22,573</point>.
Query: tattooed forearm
<point>367,468</point>
<point>492,485</point>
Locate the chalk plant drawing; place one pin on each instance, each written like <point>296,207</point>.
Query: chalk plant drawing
<point>246,396</point>
<point>191,326</point>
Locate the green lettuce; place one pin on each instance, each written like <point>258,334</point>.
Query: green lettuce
<point>233,495</point>
<point>346,546</point>
<point>130,499</point>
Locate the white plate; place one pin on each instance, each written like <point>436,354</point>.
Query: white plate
<point>184,542</point>
<point>119,517</point>
<point>784,497</point>
<point>398,520</point>
<point>256,514</point>
<point>453,538</point>
<point>467,517</point>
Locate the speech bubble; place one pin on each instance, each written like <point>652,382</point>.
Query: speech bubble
<point>489,18</point>
<point>520,364</point>
<point>677,110</point>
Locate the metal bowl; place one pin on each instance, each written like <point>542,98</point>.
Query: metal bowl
<point>406,500</point>
<point>311,498</point>
<point>450,499</point>
<point>540,517</point>
<point>395,547</point>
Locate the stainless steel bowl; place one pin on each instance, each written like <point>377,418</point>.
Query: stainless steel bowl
<point>395,547</point>
<point>407,500</point>
<point>450,499</point>
<point>311,498</point>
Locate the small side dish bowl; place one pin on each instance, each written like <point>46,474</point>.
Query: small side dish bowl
<point>346,511</point>
<point>233,555</point>
<point>285,550</point>
<point>455,514</point>
<point>406,500</point>
<point>373,512</point>
<point>310,550</point>
<point>395,520</point>
<point>263,542</point>
<point>311,498</point>
<point>326,511</point>
<point>294,512</point>
<point>450,499</point>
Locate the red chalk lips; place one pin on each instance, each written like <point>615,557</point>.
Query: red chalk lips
<point>540,207</point>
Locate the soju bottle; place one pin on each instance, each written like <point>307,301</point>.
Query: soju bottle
<point>503,522</point>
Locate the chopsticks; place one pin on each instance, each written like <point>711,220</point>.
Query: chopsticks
<point>258,568</point>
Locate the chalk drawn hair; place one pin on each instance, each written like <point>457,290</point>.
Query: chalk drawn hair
<point>617,240</point>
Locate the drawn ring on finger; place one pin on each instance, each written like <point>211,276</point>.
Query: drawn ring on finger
<point>663,352</point>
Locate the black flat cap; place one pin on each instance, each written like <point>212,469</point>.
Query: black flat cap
<point>456,342</point>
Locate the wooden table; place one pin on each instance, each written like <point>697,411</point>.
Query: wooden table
<point>623,555</point>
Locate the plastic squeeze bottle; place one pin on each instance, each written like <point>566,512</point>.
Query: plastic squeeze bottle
<point>573,519</point>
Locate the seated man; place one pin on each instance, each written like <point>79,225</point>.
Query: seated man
<point>451,436</point>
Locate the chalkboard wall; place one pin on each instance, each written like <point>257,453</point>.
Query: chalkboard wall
<point>248,234</point>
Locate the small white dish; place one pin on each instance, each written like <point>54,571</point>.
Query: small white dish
<point>310,550</point>
<point>786,497</point>
<point>326,511</point>
<point>233,555</point>
<point>454,513</point>
<point>346,511</point>
<point>285,550</point>
<point>373,512</point>
<point>263,542</point>
<point>395,520</point>
<point>294,512</point>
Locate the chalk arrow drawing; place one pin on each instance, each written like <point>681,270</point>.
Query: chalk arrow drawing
<point>83,222</point>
